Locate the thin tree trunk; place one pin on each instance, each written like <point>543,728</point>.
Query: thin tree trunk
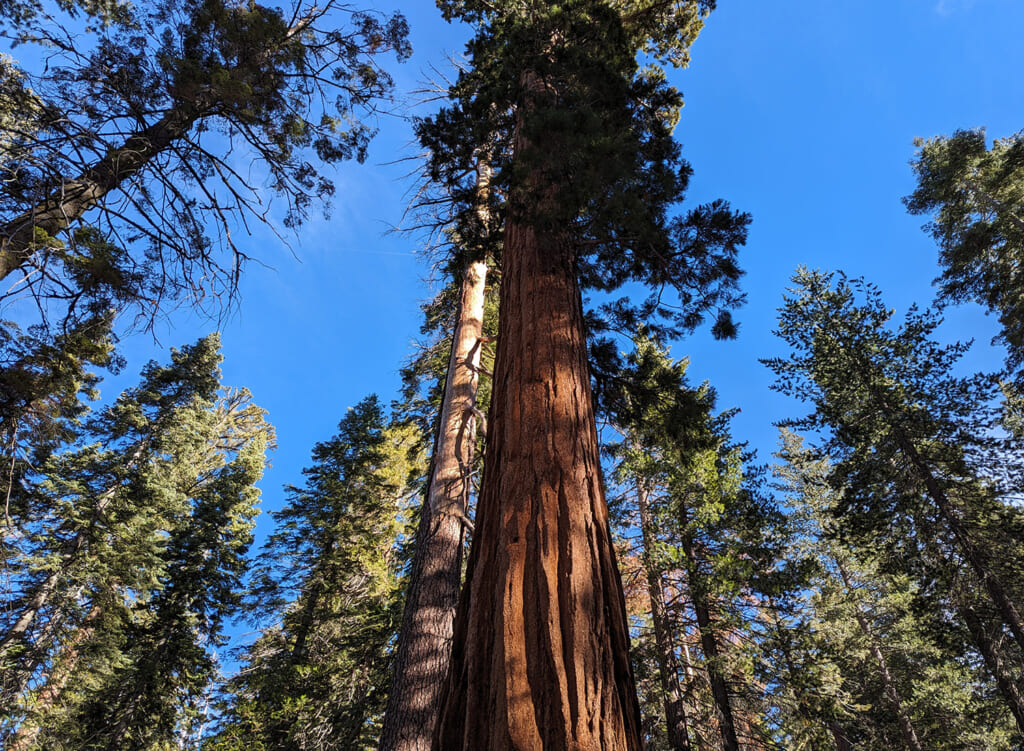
<point>842,742</point>
<point>540,658</point>
<point>668,664</point>
<point>709,643</point>
<point>1005,682</point>
<point>27,732</point>
<point>425,639</point>
<point>888,684</point>
<point>716,676</point>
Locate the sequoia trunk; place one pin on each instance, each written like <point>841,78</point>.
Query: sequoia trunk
<point>425,640</point>
<point>540,655</point>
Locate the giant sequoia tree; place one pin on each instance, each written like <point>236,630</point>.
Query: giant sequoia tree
<point>584,157</point>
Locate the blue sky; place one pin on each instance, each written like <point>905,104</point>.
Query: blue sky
<point>802,113</point>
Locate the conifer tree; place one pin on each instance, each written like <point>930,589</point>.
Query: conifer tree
<point>975,194</point>
<point>923,467</point>
<point>867,664</point>
<point>136,557</point>
<point>580,140</point>
<point>424,640</point>
<point>711,534</point>
<point>329,577</point>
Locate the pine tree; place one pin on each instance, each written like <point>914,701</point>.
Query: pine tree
<point>923,467</point>
<point>975,194</point>
<point>424,640</point>
<point>330,578</point>
<point>866,662</point>
<point>710,537</point>
<point>138,563</point>
<point>116,139</point>
<point>581,145</point>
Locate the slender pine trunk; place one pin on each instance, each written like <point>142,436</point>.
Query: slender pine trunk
<point>888,683</point>
<point>425,639</point>
<point>540,658</point>
<point>50,693</point>
<point>842,742</point>
<point>709,644</point>
<point>1006,681</point>
<point>668,664</point>
<point>716,676</point>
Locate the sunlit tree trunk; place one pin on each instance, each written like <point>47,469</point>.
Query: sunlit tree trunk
<point>540,655</point>
<point>424,642</point>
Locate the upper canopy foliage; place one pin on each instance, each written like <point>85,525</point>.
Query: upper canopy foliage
<point>975,195</point>
<point>137,128</point>
<point>580,139</point>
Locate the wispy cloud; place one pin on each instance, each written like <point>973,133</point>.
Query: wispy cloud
<point>949,7</point>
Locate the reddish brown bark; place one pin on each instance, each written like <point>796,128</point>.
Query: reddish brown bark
<point>540,657</point>
<point>424,643</point>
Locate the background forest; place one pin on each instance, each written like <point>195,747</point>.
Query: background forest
<point>249,314</point>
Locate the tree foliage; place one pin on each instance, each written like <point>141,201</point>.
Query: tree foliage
<point>130,549</point>
<point>716,542</point>
<point>619,172</point>
<point>121,180</point>
<point>329,578</point>
<point>927,475</point>
<point>861,654</point>
<point>975,194</point>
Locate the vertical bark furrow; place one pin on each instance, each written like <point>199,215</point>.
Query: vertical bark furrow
<point>545,634</point>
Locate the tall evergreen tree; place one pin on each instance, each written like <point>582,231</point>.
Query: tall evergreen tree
<point>868,665</point>
<point>924,470</point>
<point>710,537</point>
<point>136,561</point>
<point>330,576</point>
<point>975,194</point>
<point>581,144</point>
<point>424,640</point>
